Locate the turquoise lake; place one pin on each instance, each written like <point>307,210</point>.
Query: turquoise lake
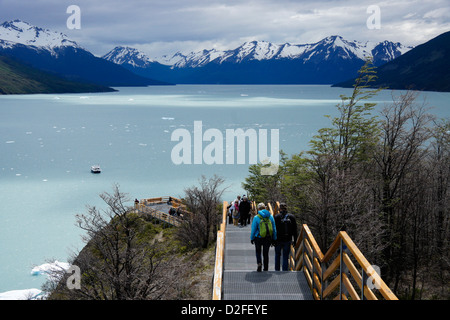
<point>49,142</point>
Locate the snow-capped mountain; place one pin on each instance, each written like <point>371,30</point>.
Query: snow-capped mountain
<point>20,32</point>
<point>330,60</point>
<point>55,53</point>
<point>132,56</point>
<point>326,49</point>
<point>424,67</point>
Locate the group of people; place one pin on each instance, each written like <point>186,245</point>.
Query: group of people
<point>266,231</point>
<point>175,212</point>
<point>239,211</point>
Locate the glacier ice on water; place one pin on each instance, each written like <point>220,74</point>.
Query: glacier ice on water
<point>26,294</point>
<point>33,293</point>
<point>47,268</point>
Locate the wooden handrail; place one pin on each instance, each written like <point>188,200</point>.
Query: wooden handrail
<point>269,206</point>
<point>164,199</point>
<point>220,254</point>
<point>320,269</point>
<point>254,208</point>
<point>277,207</point>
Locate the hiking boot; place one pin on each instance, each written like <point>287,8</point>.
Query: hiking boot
<point>259,267</point>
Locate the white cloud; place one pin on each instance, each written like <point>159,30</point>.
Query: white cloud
<point>167,26</point>
<point>441,13</point>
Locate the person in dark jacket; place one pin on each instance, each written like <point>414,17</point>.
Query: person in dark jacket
<point>286,235</point>
<point>244,210</point>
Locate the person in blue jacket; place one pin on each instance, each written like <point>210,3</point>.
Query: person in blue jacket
<point>258,241</point>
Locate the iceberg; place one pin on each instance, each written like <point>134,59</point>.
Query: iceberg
<point>27,294</point>
<point>51,269</point>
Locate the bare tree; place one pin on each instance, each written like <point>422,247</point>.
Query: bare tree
<point>203,201</point>
<point>116,264</point>
<point>439,163</point>
<point>404,133</point>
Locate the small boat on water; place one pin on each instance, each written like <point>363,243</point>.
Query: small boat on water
<point>96,169</point>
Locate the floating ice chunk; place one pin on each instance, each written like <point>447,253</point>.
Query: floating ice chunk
<point>28,132</point>
<point>48,268</point>
<point>45,180</point>
<point>10,141</point>
<point>167,118</point>
<point>143,144</point>
<point>54,270</point>
<point>20,294</point>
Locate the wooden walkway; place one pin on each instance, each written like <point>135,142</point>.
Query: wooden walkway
<point>341,273</point>
<point>241,281</point>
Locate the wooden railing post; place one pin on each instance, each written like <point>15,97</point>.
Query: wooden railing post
<point>322,266</point>
<point>220,251</point>
<point>304,252</point>
<point>340,269</point>
<point>363,281</point>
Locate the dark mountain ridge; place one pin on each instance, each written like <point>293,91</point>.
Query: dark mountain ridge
<point>426,67</point>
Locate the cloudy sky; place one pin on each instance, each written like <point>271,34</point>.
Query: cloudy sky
<point>166,26</point>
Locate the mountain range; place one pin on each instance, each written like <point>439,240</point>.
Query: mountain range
<point>328,61</point>
<point>54,53</point>
<point>27,50</point>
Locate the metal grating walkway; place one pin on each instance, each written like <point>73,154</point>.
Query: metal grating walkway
<point>242,282</point>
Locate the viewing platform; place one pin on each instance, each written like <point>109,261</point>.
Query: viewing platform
<point>160,208</point>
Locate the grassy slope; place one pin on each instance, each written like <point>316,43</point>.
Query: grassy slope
<point>18,78</point>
